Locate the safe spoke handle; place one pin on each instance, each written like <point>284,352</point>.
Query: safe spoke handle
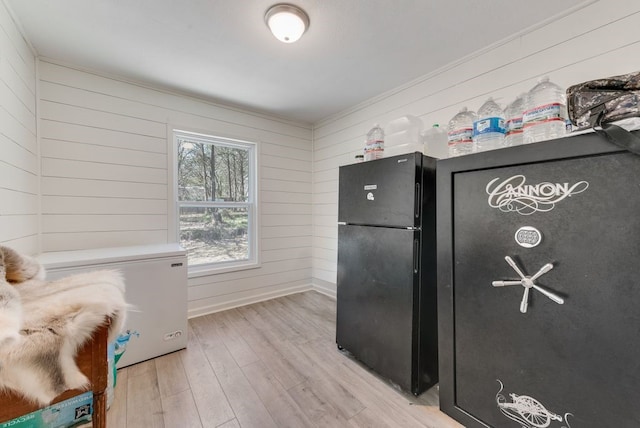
<point>515,267</point>
<point>525,301</point>
<point>553,296</point>
<point>544,269</point>
<point>505,283</point>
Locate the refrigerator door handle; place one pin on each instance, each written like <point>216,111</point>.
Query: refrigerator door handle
<point>416,256</point>
<point>417,201</point>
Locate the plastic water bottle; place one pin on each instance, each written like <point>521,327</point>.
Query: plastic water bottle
<point>513,124</point>
<point>545,113</point>
<point>435,142</point>
<point>460,133</point>
<point>488,129</point>
<point>374,146</point>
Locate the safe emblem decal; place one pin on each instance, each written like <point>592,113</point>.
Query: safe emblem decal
<point>515,195</point>
<point>528,411</point>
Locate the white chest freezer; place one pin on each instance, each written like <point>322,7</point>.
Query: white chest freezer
<point>156,286</point>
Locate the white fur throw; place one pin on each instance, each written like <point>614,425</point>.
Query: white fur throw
<point>44,323</point>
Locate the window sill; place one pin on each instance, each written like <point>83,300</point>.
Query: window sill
<point>206,270</point>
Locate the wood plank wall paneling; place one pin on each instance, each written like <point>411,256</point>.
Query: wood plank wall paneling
<point>594,41</point>
<point>19,170</point>
<point>105,147</point>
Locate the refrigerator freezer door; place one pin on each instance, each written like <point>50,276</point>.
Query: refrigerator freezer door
<point>377,297</point>
<point>383,192</point>
<point>555,350</point>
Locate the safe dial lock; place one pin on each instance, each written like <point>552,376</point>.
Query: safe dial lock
<point>528,282</point>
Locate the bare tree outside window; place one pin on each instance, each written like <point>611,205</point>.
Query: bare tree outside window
<point>215,203</point>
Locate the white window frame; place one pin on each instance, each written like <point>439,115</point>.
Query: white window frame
<point>251,204</point>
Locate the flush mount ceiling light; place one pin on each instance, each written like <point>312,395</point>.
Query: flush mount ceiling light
<point>287,22</point>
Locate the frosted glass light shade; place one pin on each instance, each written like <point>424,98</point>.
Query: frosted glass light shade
<point>287,22</point>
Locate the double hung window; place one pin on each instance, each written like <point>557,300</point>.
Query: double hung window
<point>216,201</point>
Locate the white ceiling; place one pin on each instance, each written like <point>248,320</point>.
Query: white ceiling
<point>222,50</point>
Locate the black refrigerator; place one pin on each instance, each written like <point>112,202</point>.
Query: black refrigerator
<point>386,279</point>
<point>539,286</point>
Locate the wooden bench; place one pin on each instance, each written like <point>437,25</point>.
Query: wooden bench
<point>92,361</point>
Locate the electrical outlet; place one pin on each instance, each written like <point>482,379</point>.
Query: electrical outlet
<point>173,335</point>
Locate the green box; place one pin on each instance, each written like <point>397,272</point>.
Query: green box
<point>74,411</point>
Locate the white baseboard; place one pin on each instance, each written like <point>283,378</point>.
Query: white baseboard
<point>247,300</point>
<point>323,287</point>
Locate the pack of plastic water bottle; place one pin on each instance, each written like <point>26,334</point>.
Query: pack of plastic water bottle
<point>374,144</point>
<point>538,115</point>
<point>545,112</point>
<point>488,128</point>
<point>460,133</point>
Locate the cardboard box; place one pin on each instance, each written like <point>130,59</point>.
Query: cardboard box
<point>71,412</point>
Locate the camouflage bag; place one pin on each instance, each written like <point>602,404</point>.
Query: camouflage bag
<point>598,103</point>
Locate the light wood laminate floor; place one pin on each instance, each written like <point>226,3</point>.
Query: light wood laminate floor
<point>270,364</point>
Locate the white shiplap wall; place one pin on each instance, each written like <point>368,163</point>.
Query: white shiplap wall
<point>19,180</point>
<point>106,179</point>
<point>597,40</point>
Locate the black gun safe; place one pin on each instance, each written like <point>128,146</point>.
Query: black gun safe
<point>539,285</point>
